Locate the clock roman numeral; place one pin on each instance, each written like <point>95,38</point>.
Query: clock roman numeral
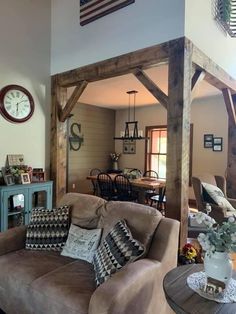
<point>13,95</point>
<point>17,94</point>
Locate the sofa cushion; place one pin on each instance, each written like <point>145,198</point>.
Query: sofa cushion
<point>218,196</point>
<point>48,229</point>
<point>45,282</point>
<point>117,250</point>
<point>142,220</point>
<point>67,289</point>
<point>85,209</point>
<point>82,243</point>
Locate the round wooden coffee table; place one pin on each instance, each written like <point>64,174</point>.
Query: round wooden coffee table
<point>183,299</point>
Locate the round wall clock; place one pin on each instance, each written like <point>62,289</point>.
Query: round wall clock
<point>16,103</point>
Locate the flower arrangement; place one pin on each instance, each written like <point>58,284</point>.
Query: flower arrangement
<point>115,156</point>
<point>189,254</point>
<point>16,171</point>
<point>219,237</point>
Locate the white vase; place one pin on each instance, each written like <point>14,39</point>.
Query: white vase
<point>218,266</point>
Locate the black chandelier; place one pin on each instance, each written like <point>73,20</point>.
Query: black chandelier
<point>131,127</point>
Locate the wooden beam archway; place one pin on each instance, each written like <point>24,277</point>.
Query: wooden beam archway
<point>184,59</point>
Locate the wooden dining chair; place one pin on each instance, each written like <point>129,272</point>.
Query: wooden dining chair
<point>124,189</point>
<point>106,186</point>
<point>95,172</point>
<point>152,174</point>
<point>160,200</point>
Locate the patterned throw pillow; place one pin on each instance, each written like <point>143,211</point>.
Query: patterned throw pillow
<point>82,243</point>
<point>48,229</point>
<point>218,196</point>
<point>117,250</point>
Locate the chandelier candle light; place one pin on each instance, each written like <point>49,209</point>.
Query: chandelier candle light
<point>135,133</point>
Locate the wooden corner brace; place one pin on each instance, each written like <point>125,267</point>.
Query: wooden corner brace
<point>63,113</point>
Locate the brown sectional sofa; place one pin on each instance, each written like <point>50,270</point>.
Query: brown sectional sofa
<point>44,282</point>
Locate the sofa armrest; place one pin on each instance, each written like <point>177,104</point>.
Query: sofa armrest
<point>232,202</point>
<point>12,240</point>
<point>135,289</point>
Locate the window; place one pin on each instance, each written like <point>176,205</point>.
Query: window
<point>156,150</point>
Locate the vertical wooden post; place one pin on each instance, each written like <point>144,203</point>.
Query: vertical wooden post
<point>178,126</point>
<point>58,162</point>
<point>231,168</point>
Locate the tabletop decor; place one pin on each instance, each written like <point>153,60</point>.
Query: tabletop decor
<point>114,158</point>
<point>17,171</point>
<point>218,241</point>
<point>198,283</point>
<point>189,254</point>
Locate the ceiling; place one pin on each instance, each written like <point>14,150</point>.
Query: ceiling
<point>111,93</point>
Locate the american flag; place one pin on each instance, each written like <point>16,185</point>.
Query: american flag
<point>91,10</point>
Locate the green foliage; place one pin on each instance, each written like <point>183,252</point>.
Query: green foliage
<point>226,10</point>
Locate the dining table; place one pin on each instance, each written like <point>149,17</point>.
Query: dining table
<point>141,185</point>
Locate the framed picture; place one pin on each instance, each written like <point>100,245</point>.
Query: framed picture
<point>217,144</point>
<point>38,176</point>
<point>208,140</point>
<point>25,178</point>
<point>15,160</point>
<point>129,147</point>
<point>9,179</point>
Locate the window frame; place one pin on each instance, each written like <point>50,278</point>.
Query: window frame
<point>147,159</point>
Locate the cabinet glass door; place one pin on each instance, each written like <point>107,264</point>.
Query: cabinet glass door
<point>16,210</point>
<point>39,199</point>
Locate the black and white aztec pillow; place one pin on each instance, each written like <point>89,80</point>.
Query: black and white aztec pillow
<point>48,229</point>
<point>117,250</point>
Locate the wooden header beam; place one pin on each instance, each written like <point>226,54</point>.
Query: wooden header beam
<point>215,75</point>
<point>116,66</point>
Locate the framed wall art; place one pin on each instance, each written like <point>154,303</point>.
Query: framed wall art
<point>91,10</point>
<point>208,140</point>
<point>217,144</point>
<point>129,147</point>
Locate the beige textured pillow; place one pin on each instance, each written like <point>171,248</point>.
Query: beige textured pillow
<point>82,243</point>
<point>218,196</point>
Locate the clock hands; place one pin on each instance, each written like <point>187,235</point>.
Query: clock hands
<point>22,101</point>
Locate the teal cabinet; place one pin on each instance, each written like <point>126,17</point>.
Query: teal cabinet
<point>17,201</point>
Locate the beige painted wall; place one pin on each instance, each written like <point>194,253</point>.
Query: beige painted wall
<point>207,115</point>
<point>141,24</point>
<point>98,128</point>
<point>206,34</point>
<point>25,60</point>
